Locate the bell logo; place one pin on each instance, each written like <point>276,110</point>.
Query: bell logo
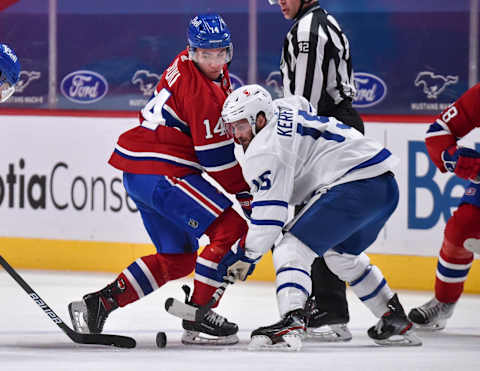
<point>443,199</point>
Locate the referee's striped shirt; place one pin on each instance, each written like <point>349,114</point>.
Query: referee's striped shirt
<point>316,61</point>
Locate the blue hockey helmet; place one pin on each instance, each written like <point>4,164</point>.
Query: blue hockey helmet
<point>9,71</point>
<point>209,31</point>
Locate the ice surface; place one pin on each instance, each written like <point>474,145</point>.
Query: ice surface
<point>30,341</point>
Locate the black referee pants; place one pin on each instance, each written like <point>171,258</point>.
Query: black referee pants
<point>328,289</point>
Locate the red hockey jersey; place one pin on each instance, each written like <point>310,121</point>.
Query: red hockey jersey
<point>181,131</point>
<point>454,123</point>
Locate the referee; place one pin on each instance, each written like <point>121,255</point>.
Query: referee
<point>316,64</point>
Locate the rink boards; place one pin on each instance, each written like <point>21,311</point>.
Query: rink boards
<point>63,207</point>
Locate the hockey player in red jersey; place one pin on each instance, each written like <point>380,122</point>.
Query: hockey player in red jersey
<point>462,232</point>
<point>180,136</point>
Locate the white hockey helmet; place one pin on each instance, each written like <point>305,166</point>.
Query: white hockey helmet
<point>247,102</point>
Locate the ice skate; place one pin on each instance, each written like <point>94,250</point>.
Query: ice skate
<point>89,315</point>
<point>214,329</point>
<point>431,316</point>
<point>287,334</point>
<point>322,326</point>
<point>394,328</point>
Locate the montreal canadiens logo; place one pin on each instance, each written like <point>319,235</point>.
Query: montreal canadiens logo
<point>470,191</point>
<point>84,87</point>
<point>371,90</point>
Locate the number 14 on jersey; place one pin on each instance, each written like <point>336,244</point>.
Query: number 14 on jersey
<point>218,129</point>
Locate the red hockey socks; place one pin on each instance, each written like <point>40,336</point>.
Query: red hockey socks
<point>454,261</point>
<point>223,233</point>
<point>148,273</point>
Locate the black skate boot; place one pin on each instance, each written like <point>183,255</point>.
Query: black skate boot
<point>89,315</point>
<point>286,333</point>
<point>324,326</point>
<point>432,315</point>
<point>394,328</point>
<point>221,331</point>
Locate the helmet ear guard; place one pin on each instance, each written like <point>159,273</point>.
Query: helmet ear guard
<point>209,31</point>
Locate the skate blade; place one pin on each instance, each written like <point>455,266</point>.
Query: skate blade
<point>77,309</point>
<point>264,343</point>
<point>430,327</point>
<point>198,338</point>
<point>408,339</point>
<point>329,333</point>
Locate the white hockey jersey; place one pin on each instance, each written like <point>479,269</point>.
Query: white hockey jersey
<point>296,155</point>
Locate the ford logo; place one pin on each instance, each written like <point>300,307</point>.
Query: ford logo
<point>371,90</point>
<point>84,87</point>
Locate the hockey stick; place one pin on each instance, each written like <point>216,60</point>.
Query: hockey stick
<point>76,337</point>
<point>189,312</point>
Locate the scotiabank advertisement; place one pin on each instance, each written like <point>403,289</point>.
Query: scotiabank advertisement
<point>55,183</point>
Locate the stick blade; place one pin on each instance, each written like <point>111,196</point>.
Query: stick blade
<point>118,341</point>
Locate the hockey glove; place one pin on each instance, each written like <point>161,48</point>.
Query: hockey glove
<point>235,264</point>
<point>464,162</point>
<point>245,200</point>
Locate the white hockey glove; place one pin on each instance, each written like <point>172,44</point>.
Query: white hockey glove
<point>235,264</point>
<point>241,269</point>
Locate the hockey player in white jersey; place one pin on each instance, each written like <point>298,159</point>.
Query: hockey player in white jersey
<point>347,181</point>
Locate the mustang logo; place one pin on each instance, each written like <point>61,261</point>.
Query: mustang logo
<point>25,78</point>
<point>235,81</point>
<point>434,85</point>
<point>274,81</point>
<point>147,81</point>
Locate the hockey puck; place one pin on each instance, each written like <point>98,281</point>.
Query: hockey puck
<point>161,339</point>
